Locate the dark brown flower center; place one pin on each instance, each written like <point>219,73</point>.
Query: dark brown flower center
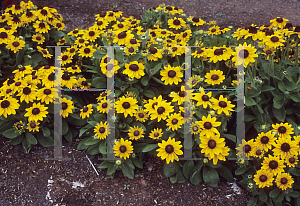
<point>292,160</point>
<point>297,29</point>
<point>51,77</point>
<point>283,181</point>
<point>212,144</point>
<point>64,57</point>
<point>222,104</point>
<point>8,91</point>
<point>263,178</point>
<point>285,147</point>
<point>182,93</point>
<point>171,73</point>
<point>42,25</point>
<point>244,53</point>
<point>16,44</point>
<point>282,129</point>
<point>161,110</point>
<point>35,111</point>
<point>65,77</point>
<point>205,98</point>
<point>213,30</point>
<point>44,12</point>
<point>133,41</point>
<point>39,38</point>
<point>274,39</point>
<point>102,130</point>
<point>218,52</point>
<point>3,35</point>
<point>195,19</point>
<point>81,41</point>
<point>18,84</point>
<point>44,51</point>
<point>268,52</point>
<point>122,35</point>
<point>122,149</point>
<point>32,125</point>
<point>26,90</point>
<point>85,109</point>
<point>134,67</point>
<point>141,115</point>
<point>156,134</point>
<point>99,23</point>
<point>169,149</point>
<point>154,104</point>
<point>279,20</point>
<point>258,152</point>
<point>153,50</point>
<point>72,50</point>
<point>47,91</point>
<point>16,19</point>
<point>64,105</point>
<point>174,121</point>
<point>214,77</point>
<point>247,148</point>
<point>87,50</point>
<point>200,51</point>
<point>91,33</point>
<point>126,105</point>
<point>104,105</point>
<point>264,139</point>
<point>269,32</point>
<point>5,104</point>
<point>136,133</point>
<point>252,30</point>
<point>207,125</point>
<point>273,164</point>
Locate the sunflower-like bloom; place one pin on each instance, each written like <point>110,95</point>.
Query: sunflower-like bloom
<point>203,99</point>
<point>219,53</point>
<point>246,149</point>
<point>279,22</point>
<point>68,81</point>
<point>214,77</point>
<point>263,178</point>
<point>214,30</point>
<point>201,52</point>
<point>122,37</point>
<point>86,51</point>
<point>33,126</point>
<point>101,130</point>
<point>273,165</point>
<point>283,129</point>
<point>104,106</point>
<point>274,41</point>
<point>171,75</point>
<point>39,38</point>
<point>107,68</point>
<point>265,140</point>
<point>212,146</point>
<point>134,70</point>
<point>208,125</point>
<point>41,27</point>
<point>123,149</point>
<point>222,105</point>
<point>195,128</point>
<point>28,94</point>
<point>15,44</point>
<point>136,132</point>
<point>284,147</point>
<point>169,150</point>
<point>155,133</point>
<point>291,160</point>
<point>162,110</point>
<point>127,106</point>
<point>196,21</point>
<point>44,52</point>
<point>155,54</point>
<point>176,23</point>
<point>244,53</point>
<point>67,107</point>
<point>36,112</point>
<point>22,71</point>
<point>284,181</point>
<point>175,121</point>
<point>8,105</point>
<point>150,106</point>
<point>141,115</point>
<point>86,111</point>
<point>46,94</point>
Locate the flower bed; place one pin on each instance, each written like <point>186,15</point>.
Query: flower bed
<point>159,108</point>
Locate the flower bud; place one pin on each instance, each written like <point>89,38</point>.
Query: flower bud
<point>118,162</point>
<point>212,113</point>
<point>205,160</point>
<point>133,155</point>
<point>230,27</point>
<point>159,39</point>
<point>250,185</point>
<point>249,176</point>
<point>263,127</point>
<point>241,161</point>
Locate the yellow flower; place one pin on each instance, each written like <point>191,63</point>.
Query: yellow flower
<point>171,75</point>
<point>169,150</point>
<point>123,149</point>
<point>86,111</point>
<point>263,178</point>
<point>15,44</point>
<point>284,181</point>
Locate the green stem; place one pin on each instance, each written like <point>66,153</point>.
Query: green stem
<point>297,56</point>
<point>269,78</point>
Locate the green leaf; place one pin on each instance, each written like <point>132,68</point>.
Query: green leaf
<point>65,127</point>
<point>188,168</point>
<point>249,101</point>
<point>11,133</point>
<point>129,163</point>
<point>279,113</point>
<point>145,80</point>
<point>196,178</point>
<point>210,176</point>
<point>45,141</point>
<point>138,163</point>
<point>267,88</point>
<point>16,141</point>
<point>169,169</point>
<point>149,147</point>
<point>295,97</point>
<point>111,169</point>
<point>230,137</point>
<point>226,173</point>
<point>263,196</point>
<point>99,83</point>
<point>295,172</point>
<point>93,123</point>
<point>241,170</point>
<point>128,172</point>
<point>158,80</point>
<point>105,164</point>
<point>69,135</point>
<point>99,53</point>
<point>102,147</point>
<point>91,141</point>
<point>278,101</point>
<point>281,86</point>
<point>274,193</point>
<point>93,149</point>
<point>46,131</point>
<point>67,38</point>
<point>252,201</point>
<point>30,138</point>
<point>148,93</point>
<point>84,129</point>
<point>156,68</point>
<point>249,118</point>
